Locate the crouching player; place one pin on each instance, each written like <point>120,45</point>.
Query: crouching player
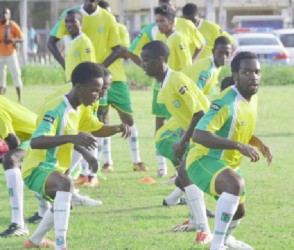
<point>62,126</point>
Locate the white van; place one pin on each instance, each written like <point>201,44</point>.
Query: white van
<point>287,38</point>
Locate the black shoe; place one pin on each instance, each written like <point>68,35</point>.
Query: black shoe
<point>182,201</point>
<point>35,219</point>
<point>14,230</point>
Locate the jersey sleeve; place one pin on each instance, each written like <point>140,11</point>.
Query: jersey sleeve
<point>48,125</point>
<point>124,35</point>
<point>113,35</point>
<point>196,39</point>
<point>6,127</point>
<point>142,39</point>
<point>16,31</point>
<point>89,121</point>
<point>214,119</point>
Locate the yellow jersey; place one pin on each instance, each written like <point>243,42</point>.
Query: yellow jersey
<point>203,73</point>
<point>231,117</point>
<point>16,119</point>
<point>181,97</point>
<point>57,117</point>
<point>80,49</point>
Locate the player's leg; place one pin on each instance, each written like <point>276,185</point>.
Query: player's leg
<point>160,112</point>
<point>16,74</point>
<point>3,75</point>
<point>119,98</point>
<point>44,205</point>
<point>11,164</point>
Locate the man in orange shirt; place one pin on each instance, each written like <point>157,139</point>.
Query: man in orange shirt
<point>10,34</point>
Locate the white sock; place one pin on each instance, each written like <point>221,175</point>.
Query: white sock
<point>134,144</point>
<point>226,207</point>
<point>161,161</point>
<point>107,151</point>
<point>15,191</point>
<point>196,204</point>
<point>46,224</point>
<point>44,205</point>
<point>232,227</point>
<point>100,148</point>
<point>75,160</point>
<point>174,196</point>
<point>61,211</point>
<point>85,167</point>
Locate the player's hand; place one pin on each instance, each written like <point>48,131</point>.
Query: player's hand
<point>125,130</point>
<point>266,152</point>
<point>178,150</point>
<point>93,163</point>
<point>249,151</point>
<point>86,140</point>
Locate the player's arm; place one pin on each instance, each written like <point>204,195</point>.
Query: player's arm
<point>106,131</point>
<point>262,148</point>
<point>52,46</point>
<point>12,141</point>
<point>180,147</point>
<point>115,54</point>
<point>16,34</point>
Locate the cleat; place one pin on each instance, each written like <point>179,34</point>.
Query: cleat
<point>185,227</point>
<point>93,181</point>
<point>14,230</point>
<point>209,214</point>
<point>203,237</point>
<point>81,180</point>
<point>181,201</point>
<point>231,243</point>
<point>140,167</point>
<point>107,168</point>
<point>45,244</point>
<point>162,172</point>
<point>83,200</point>
<point>35,219</point>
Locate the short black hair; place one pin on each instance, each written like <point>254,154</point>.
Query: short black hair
<point>235,64</point>
<point>226,82</point>
<point>222,40</point>
<point>157,49</point>
<point>103,4</point>
<point>86,71</point>
<point>165,11</point>
<point>77,13</point>
<point>190,9</point>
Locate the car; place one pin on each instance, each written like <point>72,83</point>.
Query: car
<point>267,46</point>
<point>287,38</point>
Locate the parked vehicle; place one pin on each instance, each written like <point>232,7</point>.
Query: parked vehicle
<point>287,38</point>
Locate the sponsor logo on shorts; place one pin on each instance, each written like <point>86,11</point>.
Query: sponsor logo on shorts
<point>243,123</point>
<point>48,118</point>
<point>182,46</point>
<point>226,217</point>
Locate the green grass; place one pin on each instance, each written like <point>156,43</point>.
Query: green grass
<point>132,216</point>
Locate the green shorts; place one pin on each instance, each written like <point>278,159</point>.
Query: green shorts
<point>37,179</point>
<point>159,109</point>
<point>204,171</point>
<point>118,96</point>
<point>164,146</point>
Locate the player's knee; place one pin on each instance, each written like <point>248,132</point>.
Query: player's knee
<point>65,184</point>
<point>236,185</point>
<point>178,183</point>
<point>10,161</point>
<point>230,182</point>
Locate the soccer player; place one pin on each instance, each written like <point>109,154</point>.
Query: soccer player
<point>151,33</point>
<point>186,104</point>
<point>210,30</point>
<point>80,48</point>
<point>205,72</point>
<point>10,35</point>
<point>222,137</point>
<point>118,96</point>
<point>63,125</point>
<point>17,125</point>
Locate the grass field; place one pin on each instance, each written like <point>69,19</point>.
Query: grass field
<point>132,216</point>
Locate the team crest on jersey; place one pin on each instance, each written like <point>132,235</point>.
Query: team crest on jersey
<point>100,29</point>
<point>183,90</point>
<point>48,118</point>
<point>76,54</point>
<point>177,104</point>
<point>226,217</point>
<point>215,106</point>
<point>88,50</point>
